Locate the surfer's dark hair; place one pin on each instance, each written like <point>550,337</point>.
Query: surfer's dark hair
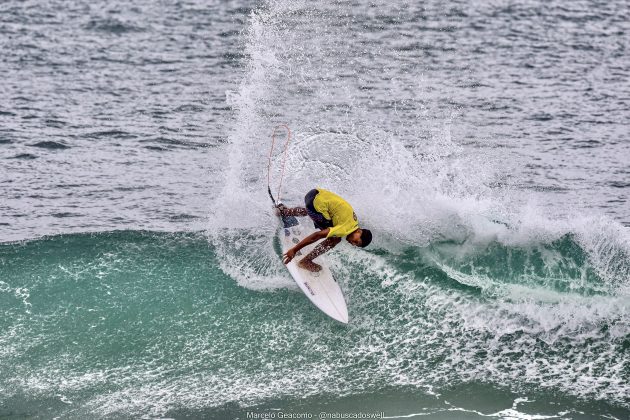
<point>366,237</point>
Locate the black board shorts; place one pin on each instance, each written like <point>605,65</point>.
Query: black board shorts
<point>319,220</point>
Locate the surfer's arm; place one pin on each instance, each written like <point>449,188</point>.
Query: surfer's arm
<point>310,239</point>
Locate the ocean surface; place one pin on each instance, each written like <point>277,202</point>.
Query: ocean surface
<point>486,144</point>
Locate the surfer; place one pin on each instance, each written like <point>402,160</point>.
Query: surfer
<point>334,218</point>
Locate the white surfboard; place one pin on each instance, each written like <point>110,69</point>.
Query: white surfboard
<point>321,287</point>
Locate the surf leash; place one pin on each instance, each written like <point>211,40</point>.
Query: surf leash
<point>276,203</point>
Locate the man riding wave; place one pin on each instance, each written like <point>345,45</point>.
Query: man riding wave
<point>334,218</point>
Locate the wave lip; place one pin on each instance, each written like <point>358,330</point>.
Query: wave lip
<point>562,266</point>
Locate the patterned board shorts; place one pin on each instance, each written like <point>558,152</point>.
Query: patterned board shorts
<point>319,220</point>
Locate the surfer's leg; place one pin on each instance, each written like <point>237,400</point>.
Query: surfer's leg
<point>309,265</point>
<point>307,262</point>
<point>295,211</point>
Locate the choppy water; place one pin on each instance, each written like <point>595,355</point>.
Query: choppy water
<point>485,144</point>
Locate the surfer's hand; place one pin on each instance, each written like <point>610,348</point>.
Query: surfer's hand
<point>288,256</point>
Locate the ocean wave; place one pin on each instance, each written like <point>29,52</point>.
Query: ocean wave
<point>135,323</point>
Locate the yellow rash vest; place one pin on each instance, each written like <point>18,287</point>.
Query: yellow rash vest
<point>338,211</point>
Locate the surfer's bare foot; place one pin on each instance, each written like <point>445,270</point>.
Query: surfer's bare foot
<point>310,266</point>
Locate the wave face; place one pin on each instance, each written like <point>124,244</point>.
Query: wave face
<point>130,323</point>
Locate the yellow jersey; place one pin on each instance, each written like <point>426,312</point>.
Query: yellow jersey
<point>337,210</point>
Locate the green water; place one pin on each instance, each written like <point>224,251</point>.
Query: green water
<point>131,324</point>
